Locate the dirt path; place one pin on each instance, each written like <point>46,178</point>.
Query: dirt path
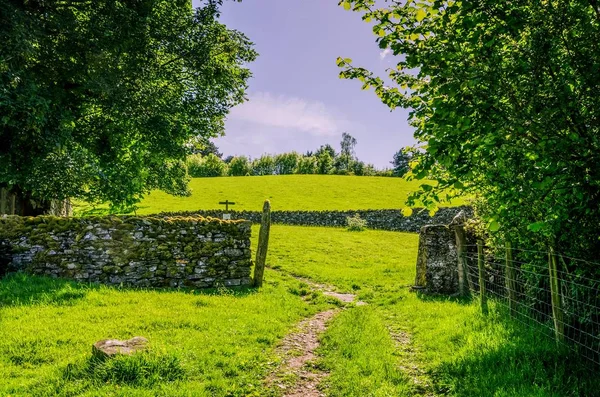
<point>298,353</point>
<point>297,376</point>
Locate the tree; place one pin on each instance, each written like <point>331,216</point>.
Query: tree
<point>347,150</point>
<point>401,162</point>
<point>206,148</point>
<point>209,166</point>
<point>285,163</point>
<point>264,165</point>
<point>503,96</point>
<point>98,100</point>
<point>324,162</point>
<point>326,148</point>
<point>239,166</point>
<point>306,165</point>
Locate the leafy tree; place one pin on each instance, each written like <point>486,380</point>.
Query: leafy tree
<point>324,162</point>
<point>228,159</point>
<point>206,148</point>
<point>264,165</point>
<point>239,166</point>
<point>306,165</point>
<point>99,99</point>
<point>401,162</point>
<point>209,166</point>
<point>326,148</point>
<point>285,163</point>
<point>504,97</point>
<point>347,150</point>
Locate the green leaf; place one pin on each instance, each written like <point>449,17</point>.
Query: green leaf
<point>493,226</point>
<point>347,6</point>
<point>347,60</point>
<point>407,211</point>
<point>536,227</point>
<point>421,14</point>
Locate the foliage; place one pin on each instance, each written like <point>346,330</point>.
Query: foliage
<point>264,165</point>
<point>347,145</point>
<point>324,162</point>
<point>209,166</point>
<point>306,165</point>
<point>286,163</point>
<point>239,166</point>
<point>99,100</point>
<point>401,162</point>
<point>206,148</point>
<point>356,223</point>
<point>326,148</point>
<point>504,99</point>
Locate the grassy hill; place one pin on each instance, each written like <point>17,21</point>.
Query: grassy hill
<point>288,192</point>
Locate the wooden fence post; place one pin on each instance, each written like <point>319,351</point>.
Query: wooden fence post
<point>557,313</point>
<point>263,244</point>
<point>480,265</point>
<point>461,247</point>
<point>510,280</point>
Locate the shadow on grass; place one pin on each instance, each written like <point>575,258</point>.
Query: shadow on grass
<point>427,297</point>
<point>22,289</point>
<point>524,362</point>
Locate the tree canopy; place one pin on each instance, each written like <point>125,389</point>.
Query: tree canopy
<point>99,100</point>
<point>504,98</point>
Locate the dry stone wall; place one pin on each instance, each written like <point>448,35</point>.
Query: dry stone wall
<point>136,251</point>
<point>385,219</point>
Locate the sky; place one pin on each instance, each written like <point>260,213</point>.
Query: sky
<point>296,101</point>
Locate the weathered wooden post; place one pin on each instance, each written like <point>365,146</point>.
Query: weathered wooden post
<point>510,280</point>
<point>557,312</point>
<point>481,266</point>
<point>263,244</point>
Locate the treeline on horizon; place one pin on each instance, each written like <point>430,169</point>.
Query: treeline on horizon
<point>209,162</point>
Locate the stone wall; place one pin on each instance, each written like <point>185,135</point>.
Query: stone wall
<point>437,261</point>
<point>136,251</point>
<point>390,219</point>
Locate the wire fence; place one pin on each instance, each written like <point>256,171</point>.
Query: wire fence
<point>544,290</point>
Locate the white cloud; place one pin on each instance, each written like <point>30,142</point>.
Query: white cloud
<point>289,113</point>
<point>384,53</point>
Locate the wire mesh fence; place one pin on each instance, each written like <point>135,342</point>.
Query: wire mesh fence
<point>539,289</point>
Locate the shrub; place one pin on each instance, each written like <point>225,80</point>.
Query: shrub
<point>209,166</point>
<point>307,165</point>
<point>286,163</point>
<point>265,165</point>
<point>356,223</point>
<point>239,166</point>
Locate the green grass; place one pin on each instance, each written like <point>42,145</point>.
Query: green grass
<point>201,344</point>
<point>459,351</point>
<point>286,192</point>
<point>222,343</point>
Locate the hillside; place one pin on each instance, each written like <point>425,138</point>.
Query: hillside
<point>288,192</point>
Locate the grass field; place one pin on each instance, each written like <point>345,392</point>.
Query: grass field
<point>219,343</point>
<point>286,192</point>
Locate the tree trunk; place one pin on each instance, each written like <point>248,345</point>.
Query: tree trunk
<point>18,202</point>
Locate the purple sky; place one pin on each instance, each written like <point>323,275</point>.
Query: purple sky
<point>296,100</point>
